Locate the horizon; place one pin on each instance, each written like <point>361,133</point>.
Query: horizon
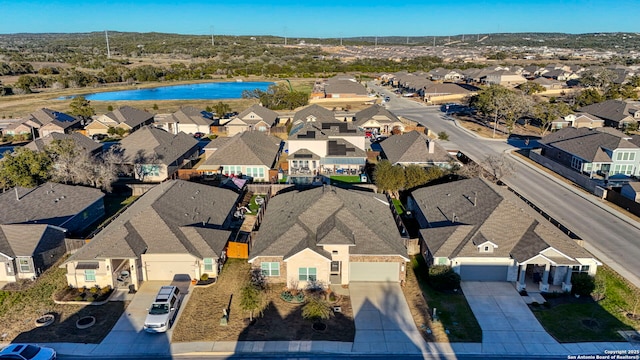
<point>330,19</point>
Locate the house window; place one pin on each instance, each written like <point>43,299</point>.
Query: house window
<point>270,268</point>
<point>335,267</point>
<point>89,275</point>
<point>150,170</point>
<point>580,269</point>
<point>576,163</point>
<point>262,128</point>
<point>307,274</point>
<point>208,264</point>
<point>486,249</point>
<point>24,265</point>
<point>442,261</point>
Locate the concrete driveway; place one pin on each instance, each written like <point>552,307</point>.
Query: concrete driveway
<point>128,332</point>
<point>508,325</point>
<point>383,320</point>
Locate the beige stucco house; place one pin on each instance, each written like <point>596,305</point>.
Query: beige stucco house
<point>330,236</point>
<point>128,118</point>
<point>176,229</point>
<point>255,118</point>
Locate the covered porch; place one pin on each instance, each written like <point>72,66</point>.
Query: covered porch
<point>547,277</point>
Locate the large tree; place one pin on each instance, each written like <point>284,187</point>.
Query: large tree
<point>278,97</point>
<point>546,113</point>
<point>502,104</point>
<point>81,107</point>
<point>530,88</point>
<point>25,167</point>
<point>389,178</point>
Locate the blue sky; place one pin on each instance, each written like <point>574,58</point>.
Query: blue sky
<point>325,18</point>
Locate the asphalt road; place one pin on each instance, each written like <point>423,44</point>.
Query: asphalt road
<point>612,237</point>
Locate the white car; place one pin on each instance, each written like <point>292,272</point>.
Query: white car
<point>27,352</point>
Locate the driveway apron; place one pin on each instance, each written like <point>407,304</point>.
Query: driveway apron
<point>383,320</point>
<point>508,325</point>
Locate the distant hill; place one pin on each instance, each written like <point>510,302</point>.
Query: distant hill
<point>126,43</point>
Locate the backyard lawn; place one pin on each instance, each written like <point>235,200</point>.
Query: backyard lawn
<point>570,319</point>
<point>351,179</point>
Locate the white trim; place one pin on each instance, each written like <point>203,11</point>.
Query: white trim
<point>558,251</point>
<point>303,250</point>
<point>487,242</point>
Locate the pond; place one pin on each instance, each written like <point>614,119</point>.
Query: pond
<point>203,91</point>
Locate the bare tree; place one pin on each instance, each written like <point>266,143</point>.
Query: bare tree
<point>500,166</point>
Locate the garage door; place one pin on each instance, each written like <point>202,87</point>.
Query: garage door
<point>374,271</point>
<point>166,271</point>
<point>483,273</point>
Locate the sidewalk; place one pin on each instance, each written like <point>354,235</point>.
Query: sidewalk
<point>439,350</point>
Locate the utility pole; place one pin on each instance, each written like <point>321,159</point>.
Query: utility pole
<point>108,50</point>
<point>407,40</point>
<point>376,41</point>
<point>213,42</point>
<point>462,37</point>
<point>340,38</point>
<point>285,36</point>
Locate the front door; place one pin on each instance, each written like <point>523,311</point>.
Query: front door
<point>335,277</point>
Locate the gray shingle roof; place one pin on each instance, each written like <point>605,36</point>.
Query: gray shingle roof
<point>267,115</point>
<point>29,239</point>
<point>328,215</point>
<point>131,116</point>
<point>587,144</point>
<point>173,217</point>
<point>318,112</point>
<point>190,115</point>
<point>458,227</point>
<point>81,140</point>
<point>49,203</point>
<point>44,116</point>
<point>246,148</point>
<point>149,142</point>
<point>612,110</point>
<point>378,112</point>
<point>412,147</point>
<point>339,86</point>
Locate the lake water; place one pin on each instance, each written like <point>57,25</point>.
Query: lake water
<point>203,91</point>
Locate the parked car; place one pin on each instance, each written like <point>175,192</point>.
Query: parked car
<point>198,135</point>
<point>163,310</point>
<point>27,352</point>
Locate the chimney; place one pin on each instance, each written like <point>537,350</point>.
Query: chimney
<point>432,146</point>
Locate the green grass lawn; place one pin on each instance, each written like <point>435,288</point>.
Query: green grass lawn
<point>580,321</point>
<point>352,179</point>
<point>252,204</point>
<point>452,309</point>
<point>398,205</point>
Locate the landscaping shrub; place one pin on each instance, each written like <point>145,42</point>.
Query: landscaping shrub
<point>583,284</point>
<point>204,277</point>
<point>442,277</point>
<point>316,309</point>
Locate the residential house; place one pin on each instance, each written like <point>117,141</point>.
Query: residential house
<point>248,154</point>
<point>177,229</point>
<point>26,250</point>
<point>320,144</point>
<point>377,119</point>
<point>615,113</point>
<point>601,151</point>
<point>504,78</point>
<point>188,119</point>
<point>584,120</point>
<point>549,84</point>
<point>153,155</point>
<point>447,92</point>
<point>486,233</point>
<point>125,117</point>
<point>560,75</point>
<point>631,191</point>
<point>344,87</point>
<point>414,148</point>
<point>70,207</point>
<point>442,74</point>
<point>78,139</point>
<point>330,236</point>
<point>256,117</point>
<point>43,122</point>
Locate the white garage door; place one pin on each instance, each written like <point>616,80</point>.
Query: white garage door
<point>167,271</point>
<point>374,271</point>
<point>483,272</point>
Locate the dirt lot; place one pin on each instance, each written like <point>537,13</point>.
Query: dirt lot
<point>200,320</point>
<point>20,309</point>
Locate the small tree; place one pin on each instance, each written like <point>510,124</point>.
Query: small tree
<point>442,135</point>
<point>442,277</point>
<point>500,166</point>
<point>251,300</point>
<point>583,284</point>
<point>316,309</point>
<point>81,107</point>
<point>415,176</point>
